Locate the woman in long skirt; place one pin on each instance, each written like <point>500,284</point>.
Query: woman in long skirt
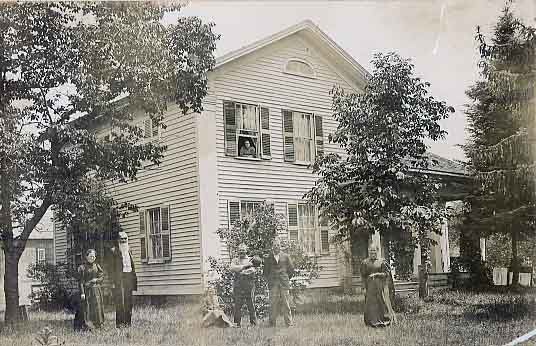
<point>377,278</point>
<point>91,277</point>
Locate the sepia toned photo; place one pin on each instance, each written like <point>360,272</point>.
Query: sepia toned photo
<point>256,173</point>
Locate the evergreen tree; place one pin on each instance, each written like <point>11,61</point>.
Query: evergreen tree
<point>502,133</point>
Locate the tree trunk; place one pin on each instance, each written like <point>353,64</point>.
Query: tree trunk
<point>11,285</point>
<point>423,271</point>
<point>515,259</point>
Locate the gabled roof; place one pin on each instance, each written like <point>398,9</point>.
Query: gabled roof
<point>312,31</point>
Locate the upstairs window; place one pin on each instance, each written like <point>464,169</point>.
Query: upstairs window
<point>247,130</point>
<point>303,136</point>
<point>150,130</point>
<point>299,67</point>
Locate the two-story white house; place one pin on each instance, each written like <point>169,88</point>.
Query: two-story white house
<point>266,117</point>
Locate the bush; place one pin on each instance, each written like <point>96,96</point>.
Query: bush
<point>258,232</point>
<point>59,290</point>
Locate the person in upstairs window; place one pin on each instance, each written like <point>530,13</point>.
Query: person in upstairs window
<point>247,150</point>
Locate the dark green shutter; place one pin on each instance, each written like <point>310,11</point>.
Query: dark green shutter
<point>229,115</point>
<point>292,218</point>
<point>288,136</point>
<point>143,234</point>
<point>319,136</point>
<point>234,212</point>
<point>266,145</point>
<point>166,233</point>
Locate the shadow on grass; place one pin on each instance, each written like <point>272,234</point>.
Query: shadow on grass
<point>334,304</point>
<point>501,312</point>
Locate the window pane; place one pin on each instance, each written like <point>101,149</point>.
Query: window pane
<point>302,136</point>
<point>306,216</point>
<point>247,117</point>
<point>157,245</point>
<point>155,232</point>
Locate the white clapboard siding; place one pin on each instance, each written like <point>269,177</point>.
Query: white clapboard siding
<point>173,183</point>
<point>262,81</point>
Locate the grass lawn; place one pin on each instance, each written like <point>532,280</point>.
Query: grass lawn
<point>448,318</point>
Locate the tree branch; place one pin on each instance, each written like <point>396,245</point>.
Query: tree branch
<point>36,218</point>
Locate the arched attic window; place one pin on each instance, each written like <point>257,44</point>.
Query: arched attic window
<point>299,67</point>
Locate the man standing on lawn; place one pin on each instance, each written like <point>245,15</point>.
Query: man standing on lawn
<point>243,285</point>
<point>278,270</point>
<point>125,281</point>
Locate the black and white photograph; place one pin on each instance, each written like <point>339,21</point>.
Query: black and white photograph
<point>257,173</point>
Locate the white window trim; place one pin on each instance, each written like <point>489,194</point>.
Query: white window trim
<point>258,130</point>
<point>150,259</point>
<point>40,251</point>
<point>285,70</point>
<point>313,139</point>
<point>317,226</point>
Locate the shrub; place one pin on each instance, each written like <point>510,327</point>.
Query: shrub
<point>59,286</point>
<point>258,232</point>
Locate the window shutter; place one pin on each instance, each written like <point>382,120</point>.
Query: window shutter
<point>233,212</point>
<point>319,136</point>
<point>292,218</point>
<point>155,129</point>
<point>147,128</point>
<point>266,144</point>
<point>142,223</point>
<point>166,232</point>
<point>323,225</point>
<point>288,136</point>
<point>143,249</point>
<point>324,239</point>
<point>229,115</point>
<point>143,235</point>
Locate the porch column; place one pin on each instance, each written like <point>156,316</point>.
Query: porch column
<point>376,242</point>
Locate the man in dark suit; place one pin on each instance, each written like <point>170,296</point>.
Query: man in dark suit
<point>123,275</point>
<point>278,270</point>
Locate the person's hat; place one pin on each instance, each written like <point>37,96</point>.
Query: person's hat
<point>123,235</point>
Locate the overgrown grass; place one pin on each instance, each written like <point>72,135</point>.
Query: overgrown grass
<point>447,318</point>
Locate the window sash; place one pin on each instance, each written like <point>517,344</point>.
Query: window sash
<point>248,125</point>
<point>155,233</point>
<point>247,208</point>
<point>247,117</point>
<point>303,137</point>
<point>41,255</point>
<point>306,228</point>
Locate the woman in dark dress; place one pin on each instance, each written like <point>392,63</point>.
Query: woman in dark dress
<point>91,276</point>
<point>377,278</point>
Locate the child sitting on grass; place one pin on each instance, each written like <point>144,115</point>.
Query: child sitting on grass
<point>213,315</point>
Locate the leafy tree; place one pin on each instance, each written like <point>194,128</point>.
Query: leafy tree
<point>67,68</point>
<point>258,232</point>
<point>378,185</point>
<point>502,133</point>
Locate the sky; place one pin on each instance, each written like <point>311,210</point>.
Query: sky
<point>438,35</point>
